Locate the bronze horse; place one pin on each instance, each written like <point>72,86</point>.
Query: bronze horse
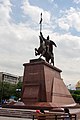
<point>43,51</point>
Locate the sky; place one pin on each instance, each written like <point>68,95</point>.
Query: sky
<point>19,34</point>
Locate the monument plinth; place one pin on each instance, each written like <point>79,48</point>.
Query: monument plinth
<point>43,86</point>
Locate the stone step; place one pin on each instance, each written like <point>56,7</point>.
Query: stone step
<point>16,113</point>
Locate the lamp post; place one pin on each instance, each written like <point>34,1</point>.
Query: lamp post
<point>18,90</point>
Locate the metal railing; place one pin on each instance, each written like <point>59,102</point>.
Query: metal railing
<point>54,116</point>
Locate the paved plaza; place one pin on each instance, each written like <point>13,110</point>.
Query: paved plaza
<point>13,118</point>
<point>76,111</point>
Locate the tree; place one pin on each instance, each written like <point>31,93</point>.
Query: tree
<point>18,90</point>
<point>7,90</point>
<point>76,95</point>
<point>0,91</point>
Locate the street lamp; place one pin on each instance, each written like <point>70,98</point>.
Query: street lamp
<point>18,90</point>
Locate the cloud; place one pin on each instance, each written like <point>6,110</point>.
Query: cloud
<point>76,1</point>
<point>68,47</point>
<point>51,1</point>
<point>67,56</point>
<point>33,12</point>
<point>16,45</point>
<point>5,9</point>
<point>70,19</point>
<point>15,41</point>
<point>63,25</point>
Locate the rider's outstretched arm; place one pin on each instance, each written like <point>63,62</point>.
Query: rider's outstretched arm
<point>41,35</point>
<point>53,43</point>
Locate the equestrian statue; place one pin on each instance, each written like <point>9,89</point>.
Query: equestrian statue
<point>46,47</point>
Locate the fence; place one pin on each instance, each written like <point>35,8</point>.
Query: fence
<point>53,116</point>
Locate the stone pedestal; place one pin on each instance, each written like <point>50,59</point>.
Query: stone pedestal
<point>44,87</point>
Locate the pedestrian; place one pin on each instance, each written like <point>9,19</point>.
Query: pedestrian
<point>68,116</point>
<point>42,111</point>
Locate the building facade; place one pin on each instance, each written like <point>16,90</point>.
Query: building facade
<point>20,79</point>
<point>7,77</point>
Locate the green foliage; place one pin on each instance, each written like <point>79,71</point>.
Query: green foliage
<point>78,98</point>
<point>71,91</point>
<point>76,95</point>
<point>18,90</point>
<point>7,90</point>
<point>0,90</point>
<point>77,92</point>
<point>19,85</point>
